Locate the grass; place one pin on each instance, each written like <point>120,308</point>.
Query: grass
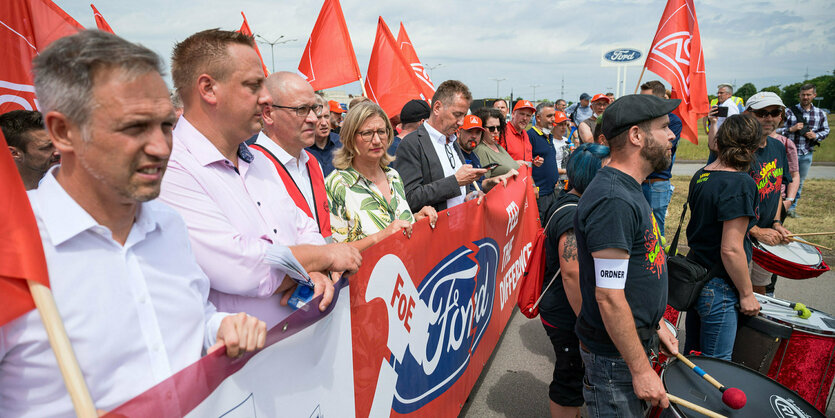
<point>688,151</point>
<point>816,210</point>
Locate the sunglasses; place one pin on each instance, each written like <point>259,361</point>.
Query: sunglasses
<point>763,113</point>
<point>492,128</point>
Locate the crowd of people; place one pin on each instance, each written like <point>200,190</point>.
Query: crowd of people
<point>206,210</point>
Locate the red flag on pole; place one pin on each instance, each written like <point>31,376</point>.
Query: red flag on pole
<point>329,59</point>
<point>248,32</point>
<point>676,56</point>
<point>29,27</point>
<point>100,22</point>
<point>408,50</point>
<point>21,253</point>
<point>390,81</point>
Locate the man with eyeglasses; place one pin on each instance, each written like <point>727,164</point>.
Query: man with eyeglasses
<point>289,128</point>
<point>429,160</point>
<point>247,234</point>
<point>325,141</point>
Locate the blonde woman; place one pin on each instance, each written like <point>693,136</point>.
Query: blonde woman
<point>366,197</point>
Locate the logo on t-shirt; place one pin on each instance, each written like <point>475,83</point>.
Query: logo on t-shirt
<point>655,253</point>
<point>702,178</point>
<point>769,178</point>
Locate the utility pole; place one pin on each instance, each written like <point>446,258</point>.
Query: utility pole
<point>562,88</point>
<point>272,45</point>
<point>432,67</point>
<point>806,76</point>
<point>534,91</point>
<point>498,80</point>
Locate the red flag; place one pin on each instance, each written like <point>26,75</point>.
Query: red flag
<point>21,253</point>
<point>248,32</point>
<point>390,81</point>
<point>28,27</point>
<point>100,22</point>
<point>427,89</point>
<point>676,56</point>
<point>329,59</point>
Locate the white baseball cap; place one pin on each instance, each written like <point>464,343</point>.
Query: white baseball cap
<point>764,99</point>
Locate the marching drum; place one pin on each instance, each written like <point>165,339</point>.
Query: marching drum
<point>765,397</point>
<point>794,260</point>
<point>659,360</point>
<point>797,352</point>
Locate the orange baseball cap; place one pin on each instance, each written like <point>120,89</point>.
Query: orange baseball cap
<point>601,96</point>
<point>335,107</point>
<point>559,116</point>
<point>472,122</point>
<point>524,104</point>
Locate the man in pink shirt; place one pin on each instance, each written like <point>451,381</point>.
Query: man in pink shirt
<point>246,232</point>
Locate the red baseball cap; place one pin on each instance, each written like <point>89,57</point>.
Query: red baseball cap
<point>335,107</point>
<point>559,116</point>
<point>472,122</point>
<point>524,104</point>
<point>601,96</point>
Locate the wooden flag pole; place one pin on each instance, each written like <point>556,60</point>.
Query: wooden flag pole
<point>67,363</point>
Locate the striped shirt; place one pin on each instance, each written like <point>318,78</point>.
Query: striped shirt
<point>815,119</point>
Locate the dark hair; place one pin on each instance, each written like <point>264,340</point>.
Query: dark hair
<point>583,164</point>
<point>808,86</point>
<point>17,124</point>
<point>446,92</point>
<point>737,140</point>
<point>656,86</point>
<point>205,52</point>
<point>499,100</point>
<point>488,112</point>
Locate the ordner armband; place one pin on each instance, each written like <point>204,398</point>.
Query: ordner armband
<point>610,273</point>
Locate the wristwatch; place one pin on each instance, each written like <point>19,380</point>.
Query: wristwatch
<point>790,199</point>
<point>776,221</point>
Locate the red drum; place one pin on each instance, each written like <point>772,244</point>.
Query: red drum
<point>659,360</point>
<point>797,352</point>
<point>765,397</point>
<point>794,260</point>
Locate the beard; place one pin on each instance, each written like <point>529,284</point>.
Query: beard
<point>656,155</point>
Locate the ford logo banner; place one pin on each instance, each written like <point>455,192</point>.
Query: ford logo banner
<point>622,55</point>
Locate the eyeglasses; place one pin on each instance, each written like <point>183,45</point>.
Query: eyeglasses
<point>367,136</point>
<point>303,110</point>
<point>492,128</point>
<point>449,155</point>
<point>761,113</point>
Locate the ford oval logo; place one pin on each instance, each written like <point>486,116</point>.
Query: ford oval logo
<point>459,294</point>
<point>622,55</point>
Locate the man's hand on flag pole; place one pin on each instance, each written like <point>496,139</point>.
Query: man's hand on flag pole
<point>240,333</point>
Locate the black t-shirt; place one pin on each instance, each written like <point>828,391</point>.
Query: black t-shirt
<point>769,169</point>
<point>716,197</point>
<point>613,213</point>
<point>554,307</point>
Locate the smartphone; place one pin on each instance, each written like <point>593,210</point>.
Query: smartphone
<point>491,166</point>
<point>300,297</point>
<point>722,112</point>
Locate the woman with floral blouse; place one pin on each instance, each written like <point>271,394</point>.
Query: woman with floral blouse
<point>366,197</point>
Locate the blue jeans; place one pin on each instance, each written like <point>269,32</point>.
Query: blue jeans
<point>607,388</point>
<point>716,330</point>
<point>658,195</point>
<point>803,164</point>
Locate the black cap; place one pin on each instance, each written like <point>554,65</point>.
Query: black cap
<point>414,111</point>
<point>633,109</point>
<point>585,96</point>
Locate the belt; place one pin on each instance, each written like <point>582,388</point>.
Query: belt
<point>650,181</point>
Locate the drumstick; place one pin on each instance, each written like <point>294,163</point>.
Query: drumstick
<point>802,310</point>
<point>809,234</point>
<point>792,238</point>
<point>690,405</point>
<point>732,397</point>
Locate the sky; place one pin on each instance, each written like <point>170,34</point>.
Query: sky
<point>537,46</point>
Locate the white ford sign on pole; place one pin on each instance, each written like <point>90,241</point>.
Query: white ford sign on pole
<point>621,57</point>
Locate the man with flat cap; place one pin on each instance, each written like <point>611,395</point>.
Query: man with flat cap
<point>412,115</point>
<point>623,267</point>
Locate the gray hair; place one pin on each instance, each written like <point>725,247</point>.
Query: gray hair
<point>543,105</point>
<point>727,86</point>
<point>65,71</point>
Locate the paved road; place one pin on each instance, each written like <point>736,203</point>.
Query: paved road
<point>815,171</point>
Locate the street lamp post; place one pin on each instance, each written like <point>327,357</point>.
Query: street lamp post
<point>431,67</point>
<point>534,91</point>
<point>272,45</point>
<point>498,80</point>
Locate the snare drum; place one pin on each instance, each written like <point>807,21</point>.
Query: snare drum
<point>659,360</point>
<point>794,260</point>
<point>797,352</point>
<point>765,397</point>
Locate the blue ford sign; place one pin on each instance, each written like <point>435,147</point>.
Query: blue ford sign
<point>622,55</point>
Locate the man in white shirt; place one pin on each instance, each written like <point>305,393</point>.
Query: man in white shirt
<point>289,125</point>
<point>131,296</point>
<point>724,99</point>
<point>247,233</point>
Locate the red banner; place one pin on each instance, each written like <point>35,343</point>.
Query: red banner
<point>427,312</point>
<point>676,56</point>
<point>329,59</point>
<point>30,26</point>
<point>248,32</point>
<point>390,81</point>
<point>408,50</point>
<point>100,22</point>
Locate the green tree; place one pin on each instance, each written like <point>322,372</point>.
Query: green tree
<point>747,90</point>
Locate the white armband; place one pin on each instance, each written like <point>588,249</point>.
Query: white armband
<point>610,273</point>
